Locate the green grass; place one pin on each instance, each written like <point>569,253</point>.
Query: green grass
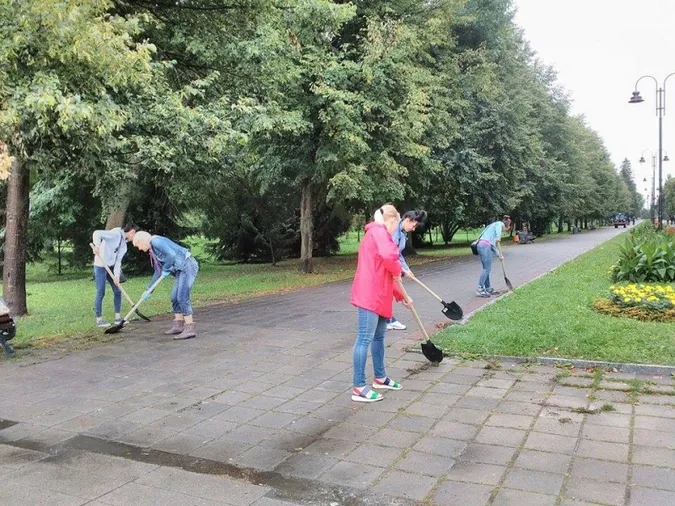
<point>553,316</point>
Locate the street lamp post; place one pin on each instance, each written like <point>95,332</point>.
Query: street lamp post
<point>660,113</point>
<point>652,206</point>
<point>653,193</point>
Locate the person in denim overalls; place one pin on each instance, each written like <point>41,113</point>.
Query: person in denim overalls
<point>171,259</point>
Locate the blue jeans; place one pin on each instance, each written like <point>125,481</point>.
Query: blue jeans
<point>370,334</point>
<point>100,277</point>
<point>485,254</point>
<point>182,287</point>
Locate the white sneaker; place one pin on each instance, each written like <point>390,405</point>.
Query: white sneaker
<point>396,325</point>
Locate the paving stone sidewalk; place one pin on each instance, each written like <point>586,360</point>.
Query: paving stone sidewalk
<point>256,411</point>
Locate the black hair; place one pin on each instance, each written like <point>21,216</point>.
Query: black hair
<point>416,215</point>
<point>129,227</point>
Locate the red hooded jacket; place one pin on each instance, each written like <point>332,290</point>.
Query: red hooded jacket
<point>374,288</point>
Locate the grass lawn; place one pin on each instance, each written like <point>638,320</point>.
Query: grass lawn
<point>553,317</point>
<point>61,307</point>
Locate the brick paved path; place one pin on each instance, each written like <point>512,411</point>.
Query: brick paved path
<point>257,411</point>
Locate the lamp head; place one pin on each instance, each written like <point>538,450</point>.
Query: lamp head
<point>636,98</point>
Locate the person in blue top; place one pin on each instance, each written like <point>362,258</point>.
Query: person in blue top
<point>171,259</point>
<point>489,244</point>
<point>408,223</point>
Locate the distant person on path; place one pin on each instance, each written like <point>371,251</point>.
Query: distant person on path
<point>373,291</point>
<point>409,223</point>
<point>489,244</point>
<point>111,246</point>
<point>171,259</point>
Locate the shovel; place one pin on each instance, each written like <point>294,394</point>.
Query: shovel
<point>429,349</point>
<point>506,280</point>
<point>124,292</point>
<point>116,328</point>
<point>451,310</point>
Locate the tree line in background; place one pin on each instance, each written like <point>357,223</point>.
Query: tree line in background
<point>272,126</point>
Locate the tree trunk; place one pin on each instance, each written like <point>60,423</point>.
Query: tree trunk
<point>58,249</point>
<point>274,258</point>
<point>118,213</point>
<point>560,225</point>
<point>306,229</point>
<point>14,271</point>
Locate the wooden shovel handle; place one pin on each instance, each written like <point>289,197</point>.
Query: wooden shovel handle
<point>110,273</point>
<point>428,289</point>
<point>412,309</point>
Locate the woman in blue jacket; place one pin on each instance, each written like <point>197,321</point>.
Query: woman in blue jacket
<point>171,259</point>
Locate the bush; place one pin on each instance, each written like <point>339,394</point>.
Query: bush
<point>646,256</point>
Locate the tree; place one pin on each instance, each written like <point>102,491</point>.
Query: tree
<point>347,116</point>
<point>636,200</point>
<point>64,70</point>
<point>669,197</point>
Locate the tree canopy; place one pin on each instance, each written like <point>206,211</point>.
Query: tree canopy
<point>271,127</point>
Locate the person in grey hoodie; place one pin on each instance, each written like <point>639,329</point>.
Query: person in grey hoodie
<point>111,246</point>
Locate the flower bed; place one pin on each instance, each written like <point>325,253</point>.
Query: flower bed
<point>649,302</point>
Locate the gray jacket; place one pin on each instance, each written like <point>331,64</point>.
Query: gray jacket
<point>114,247</point>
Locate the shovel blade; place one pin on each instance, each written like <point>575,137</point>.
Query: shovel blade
<point>114,329</point>
<point>142,316</point>
<point>508,283</point>
<point>453,311</point>
<point>432,353</point>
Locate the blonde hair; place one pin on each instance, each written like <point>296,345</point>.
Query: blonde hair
<point>384,213</point>
<point>140,237</point>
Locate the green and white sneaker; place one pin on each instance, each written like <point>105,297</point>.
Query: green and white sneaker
<point>386,383</point>
<point>365,395</point>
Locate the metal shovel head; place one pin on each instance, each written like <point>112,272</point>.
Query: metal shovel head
<point>114,329</point>
<point>142,316</point>
<point>452,311</point>
<point>508,283</point>
<point>432,353</point>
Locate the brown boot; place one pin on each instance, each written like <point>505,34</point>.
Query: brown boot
<point>177,328</point>
<point>189,331</point>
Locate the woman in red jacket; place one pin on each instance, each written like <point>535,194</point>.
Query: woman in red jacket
<point>373,291</point>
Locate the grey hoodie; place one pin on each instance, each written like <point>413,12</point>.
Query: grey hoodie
<point>113,246</point>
